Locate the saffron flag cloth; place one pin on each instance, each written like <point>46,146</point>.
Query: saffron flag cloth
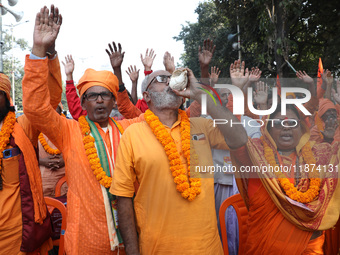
<point>320,91</point>
<point>278,85</point>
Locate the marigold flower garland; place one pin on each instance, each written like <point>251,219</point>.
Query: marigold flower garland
<point>45,145</point>
<point>91,153</point>
<point>289,188</point>
<point>188,191</point>
<point>5,133</point>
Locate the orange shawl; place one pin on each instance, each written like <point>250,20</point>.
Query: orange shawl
<point>319,214</point>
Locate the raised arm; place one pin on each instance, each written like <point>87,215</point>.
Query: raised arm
<point>73,100</point>
<point>36,97</point>
<point>133,74</point>
<point>169,62</point>
<point>205,55</point>
<point>213,76</point>
<point>147,61</point>
<point>116,59</point>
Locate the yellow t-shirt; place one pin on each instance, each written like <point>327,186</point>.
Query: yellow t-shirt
<point>166,222</point>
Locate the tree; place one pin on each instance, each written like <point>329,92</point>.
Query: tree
<point>272,31</point>
<point>18,67</point>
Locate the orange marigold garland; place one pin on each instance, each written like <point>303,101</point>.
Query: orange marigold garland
<point>188,191</point>
<point>91,152</point>
<point>45,145</point>
<point>289,188</point>
<point>5,133</point>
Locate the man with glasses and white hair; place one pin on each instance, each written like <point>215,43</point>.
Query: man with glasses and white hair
<point>174,208</point>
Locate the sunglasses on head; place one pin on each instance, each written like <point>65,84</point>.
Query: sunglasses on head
<point>160,79</point>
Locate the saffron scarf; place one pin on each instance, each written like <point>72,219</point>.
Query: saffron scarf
<point>103,157</point>
<point>319,214</point>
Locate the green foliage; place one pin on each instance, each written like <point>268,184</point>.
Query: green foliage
<point>271,31</point>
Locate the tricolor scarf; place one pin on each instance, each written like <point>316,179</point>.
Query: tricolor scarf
<point>103,157</point>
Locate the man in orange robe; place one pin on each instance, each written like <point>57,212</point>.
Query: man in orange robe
<point>170,219</point>
<point>91,228</point>
<point>24,221</point>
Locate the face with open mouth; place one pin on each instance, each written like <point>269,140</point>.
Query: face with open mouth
<point>286,138</point>
<point>98,110</point>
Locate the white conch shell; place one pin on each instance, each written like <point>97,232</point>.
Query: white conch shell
<point>179,79</point>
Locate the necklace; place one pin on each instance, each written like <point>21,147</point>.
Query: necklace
<point>189,189</point>
<point>5,133</point>
<point>45,145</point>
<point>290,190</point>
<point>91,152</point>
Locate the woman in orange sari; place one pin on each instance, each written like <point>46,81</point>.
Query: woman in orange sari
<point>290,186</point>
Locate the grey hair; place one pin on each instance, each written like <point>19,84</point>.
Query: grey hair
<point>145,83</point>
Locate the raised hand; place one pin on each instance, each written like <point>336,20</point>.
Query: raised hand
<point>215,73</point>
<point>116,56</point>
<point>238,75</point>
<point>69,67</point>
<point>206,53</point>
<point>304,77</point>
<point>133,73</point>
<point>46,30</point>
<point>261,93</point>
<point>148,59</point>
<point>327,77</point>
<point>169,62</point>
<point>336,94</point>
<point>255,74</point>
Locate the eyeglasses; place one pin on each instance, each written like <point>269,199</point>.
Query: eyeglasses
<point>290,123</point>
<point>160,79</point>
<point>106,96</point>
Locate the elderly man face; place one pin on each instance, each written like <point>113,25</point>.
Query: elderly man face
<point>158,92</point>
<point>98,102</point>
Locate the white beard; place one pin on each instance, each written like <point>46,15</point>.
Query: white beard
<point>166,99</point>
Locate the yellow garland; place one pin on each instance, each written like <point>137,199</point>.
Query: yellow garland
<point>188,191</point>
<point>91,152</point>
<point>45,145</point>
<point>5,133</point>
<point>288,187</point>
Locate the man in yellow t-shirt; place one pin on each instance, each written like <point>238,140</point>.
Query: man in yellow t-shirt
<point>174,214</point>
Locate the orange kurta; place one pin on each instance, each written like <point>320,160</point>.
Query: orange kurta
<point>86,220</point>
<point>50,177</point>
<point>166,222</point>
<point>10,200</point>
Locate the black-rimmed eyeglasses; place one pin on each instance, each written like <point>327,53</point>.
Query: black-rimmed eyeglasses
<point>106,96</point>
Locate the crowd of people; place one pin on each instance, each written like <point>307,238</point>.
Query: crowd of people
<point>130,163</point>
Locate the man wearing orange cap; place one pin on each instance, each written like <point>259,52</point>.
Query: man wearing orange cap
<point>25,226</point>
<point>89,147</point>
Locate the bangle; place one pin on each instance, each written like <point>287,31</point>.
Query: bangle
<point>148,72</point>
<point>121,87</point>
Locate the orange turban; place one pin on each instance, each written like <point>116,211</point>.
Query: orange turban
<point>324,105</point>
<point>5,85</point>
<point>104,79</point>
